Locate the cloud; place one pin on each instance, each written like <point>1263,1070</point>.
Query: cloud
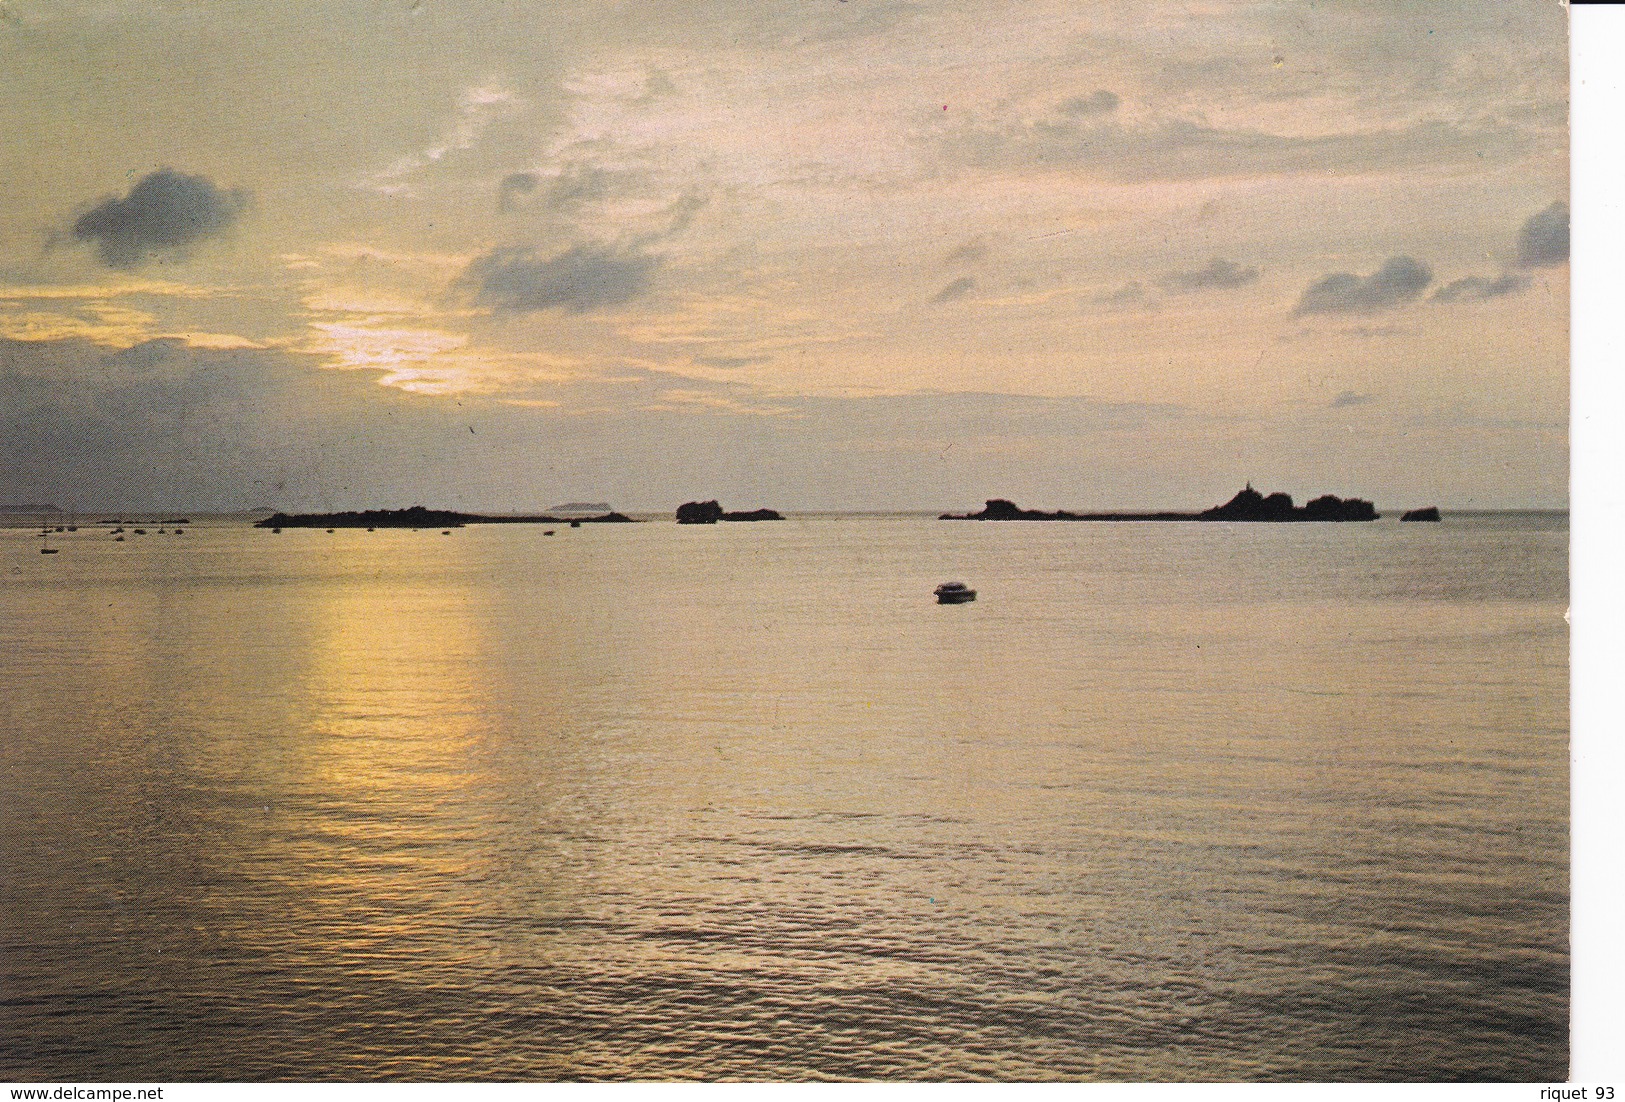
<point>1544,239</point>
<point>477,109</point>
<point>1543,242</point>
<point>580,279</point>
<point>638,205</point>
<point>679,214</point>
<point>1096,103</point>
<point>968,255</point>
<point>162,424</point>
<point>730,362</point>
<point>958,289</point>
<point>874,20</point>
<point>1471,288</point>
<point>164,215</point>
<point>124,287</point>
<point>1400,280</point>
<point>1182,149</point>
<point>514,185</point>
<point>1350,398</point>
<point>688,399</point>
<point>1218,275</point>
<point>1133,291</point>
<point>578,185</point>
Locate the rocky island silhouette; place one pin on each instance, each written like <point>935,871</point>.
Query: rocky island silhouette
<point>419,516</point>
<point>1247,505</point>
<point>709,512</point>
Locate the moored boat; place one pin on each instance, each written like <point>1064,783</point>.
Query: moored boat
<point>954,593</point>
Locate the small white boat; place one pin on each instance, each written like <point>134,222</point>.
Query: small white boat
<point>954,593</point>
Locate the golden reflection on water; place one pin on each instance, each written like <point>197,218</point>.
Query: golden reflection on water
<point>394,682</point>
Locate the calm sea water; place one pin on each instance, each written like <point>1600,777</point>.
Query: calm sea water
<point>1169,802</point>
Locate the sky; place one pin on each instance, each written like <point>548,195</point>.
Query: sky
<point>796,254</point>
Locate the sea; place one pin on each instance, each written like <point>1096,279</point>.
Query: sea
<point>1167,802</point>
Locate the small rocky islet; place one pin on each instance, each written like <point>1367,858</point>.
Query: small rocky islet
<point>710,512</point>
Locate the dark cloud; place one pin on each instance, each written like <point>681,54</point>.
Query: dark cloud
<point>1544,239</point>
<point>1478,287</point>
<point>1350,398</point>
<point>959,288</point>
<point>582,278</point>
<point>1398,281</point>
<point>165,214</point>
<point>514,185</point>
<point>1096,103</point>
<point>161,424</point>
<point>1218,275</point>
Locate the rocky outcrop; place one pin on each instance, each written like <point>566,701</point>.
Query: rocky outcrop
<point>1248,505</point>
<point>699,512</point>
<point>1431,512</point>
<point>1000,509</point>
<point>709,512</point>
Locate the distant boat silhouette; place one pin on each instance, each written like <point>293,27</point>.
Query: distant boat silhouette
<point>45,534</point>
<point>954,593</point>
